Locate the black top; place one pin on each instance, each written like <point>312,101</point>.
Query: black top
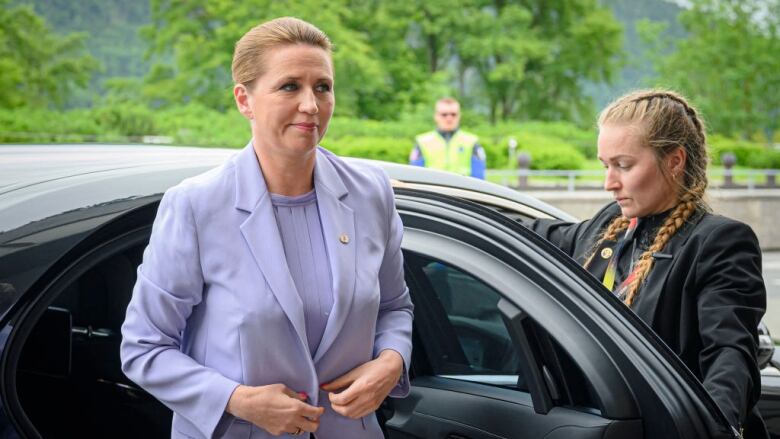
<point>704,297</point>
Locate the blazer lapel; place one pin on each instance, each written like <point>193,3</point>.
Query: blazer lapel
<point>654,286</point>
<point>261,232</point>
<point>338,228</point>
<point>601,258</point>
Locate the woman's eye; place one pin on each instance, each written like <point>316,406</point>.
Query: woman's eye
<point>323,88</point>
<point>289,87</point>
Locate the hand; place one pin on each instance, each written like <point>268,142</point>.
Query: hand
<point>274,408</point>
<point>366,386</point>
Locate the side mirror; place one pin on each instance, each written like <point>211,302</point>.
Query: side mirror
<point>48,348</point>
<point>766,346</point>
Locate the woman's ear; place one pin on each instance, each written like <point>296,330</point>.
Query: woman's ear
<point>675,161</point>
<point>241,95</point>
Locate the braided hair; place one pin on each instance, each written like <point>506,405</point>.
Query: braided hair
<point>667,122</point>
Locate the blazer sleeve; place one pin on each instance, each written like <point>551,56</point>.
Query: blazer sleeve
<point>731,302</point>
<point>569,236</point>
<point>394,320</point>
<point>169,285</point>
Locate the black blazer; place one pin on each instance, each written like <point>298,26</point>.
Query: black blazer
<point>704,297</point>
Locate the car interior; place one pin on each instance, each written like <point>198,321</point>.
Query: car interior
<point>90,396</point>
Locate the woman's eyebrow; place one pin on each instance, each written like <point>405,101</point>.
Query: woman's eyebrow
<point>617,157</point>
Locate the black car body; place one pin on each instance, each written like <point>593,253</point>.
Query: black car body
<point>512,338</point>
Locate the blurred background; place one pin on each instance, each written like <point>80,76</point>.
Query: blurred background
<point>529,73</point>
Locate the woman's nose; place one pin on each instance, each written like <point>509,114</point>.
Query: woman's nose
<point>308,103</point>
<point>611,182</point>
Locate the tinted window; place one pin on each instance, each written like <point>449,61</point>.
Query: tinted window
<point>464,336</point>
<point>460,325</point>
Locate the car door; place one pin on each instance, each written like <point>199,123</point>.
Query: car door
<point>512,339</point>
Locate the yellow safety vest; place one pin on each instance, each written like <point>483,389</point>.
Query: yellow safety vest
<point>453,156</point>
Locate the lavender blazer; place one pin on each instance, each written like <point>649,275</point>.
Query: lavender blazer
<point>215,306</point>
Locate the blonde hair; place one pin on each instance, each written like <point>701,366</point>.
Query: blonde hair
<point>666,122</point>
<point>248,62</point>
<point>447,100</point>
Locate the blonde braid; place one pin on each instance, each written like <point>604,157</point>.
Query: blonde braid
<point>684,210</point>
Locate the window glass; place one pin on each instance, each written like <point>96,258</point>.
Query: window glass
<point>462,329</point>
<point>464,335</point>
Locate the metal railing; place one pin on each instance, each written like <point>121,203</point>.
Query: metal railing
<point>571,180</point>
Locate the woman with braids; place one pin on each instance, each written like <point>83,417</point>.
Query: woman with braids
<point>693,276</point>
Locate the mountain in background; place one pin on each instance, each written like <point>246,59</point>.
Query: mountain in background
<point>637,70</point>
<point>114,40</point>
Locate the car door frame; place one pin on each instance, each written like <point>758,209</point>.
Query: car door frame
<point>662,386</point>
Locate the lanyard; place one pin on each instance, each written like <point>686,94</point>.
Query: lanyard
<point>609,275</point>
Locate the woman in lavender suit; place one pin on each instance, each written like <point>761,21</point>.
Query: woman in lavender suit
<point>271,298</point>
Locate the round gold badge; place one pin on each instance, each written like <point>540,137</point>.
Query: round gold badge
<point>606,253</point>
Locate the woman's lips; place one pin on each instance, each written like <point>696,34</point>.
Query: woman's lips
<point>308,127</point>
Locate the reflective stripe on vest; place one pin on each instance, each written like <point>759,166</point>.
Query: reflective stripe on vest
<point>453,156</point>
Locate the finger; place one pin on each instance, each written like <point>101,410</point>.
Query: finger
<point>300,396</point>
<point>310,411</point>
<point>340,382</point>
<point>307,424</point>
<point>345,397</point>
<point>352,411</point>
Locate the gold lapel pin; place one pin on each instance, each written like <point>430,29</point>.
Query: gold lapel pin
<point>606,253</point>
<point>344,238</point>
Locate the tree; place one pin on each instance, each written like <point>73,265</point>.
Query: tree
<point>509,59</point>
<point>728,65</point>
<point>533,56</point>
<point>192,43</point>
<point>37,67</point>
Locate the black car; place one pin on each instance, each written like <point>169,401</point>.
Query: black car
<point>512,339</point>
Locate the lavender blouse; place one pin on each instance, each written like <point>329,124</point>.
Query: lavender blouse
<point>304,248</point>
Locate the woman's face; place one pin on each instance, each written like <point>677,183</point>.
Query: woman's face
<point>633,173</point>
<point>290,105</point>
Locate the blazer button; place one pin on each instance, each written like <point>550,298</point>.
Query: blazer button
<point>344,238</point>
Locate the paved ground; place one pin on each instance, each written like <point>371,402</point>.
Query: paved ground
<point>772,280</point>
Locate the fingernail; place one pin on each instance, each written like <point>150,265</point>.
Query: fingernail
<point>303,395</point>
<point>322,386</point>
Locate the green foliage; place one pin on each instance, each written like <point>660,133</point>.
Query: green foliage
<point>549,152</point>
<point>377,148</point>
<point>195,124</point>
<point>31,125</point>
<point>767,160</point>
<point>126,120</point>
<point>37,67</point>
<point>392,58</point>
<point>727,65</point>
<point>747,153</point>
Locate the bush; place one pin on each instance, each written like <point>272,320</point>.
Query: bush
<point>742,150</point>
<point>377,148</point>
<point>197,125</point>
<point>42,126</point>
<point>548,152</point>
<point>769,159</point>
<point>126,119</point>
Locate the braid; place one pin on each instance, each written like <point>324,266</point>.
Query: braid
<point>617,225</point>
<point>689,110</point>
<point>687,206</point>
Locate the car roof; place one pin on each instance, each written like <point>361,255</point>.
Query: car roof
<point>37,181</point>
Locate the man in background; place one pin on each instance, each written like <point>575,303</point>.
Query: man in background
<point>448,147</point>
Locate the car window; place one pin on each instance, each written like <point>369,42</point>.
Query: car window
<point>464,336</point>
<point>463,331</point>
